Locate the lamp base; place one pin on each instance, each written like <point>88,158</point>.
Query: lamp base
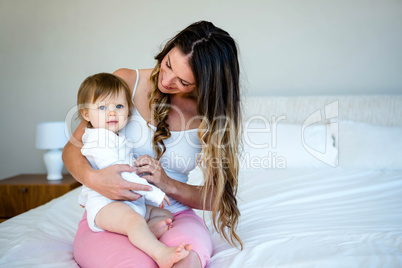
<point>54,164</point>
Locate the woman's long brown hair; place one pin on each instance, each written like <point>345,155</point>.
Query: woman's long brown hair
<point>212,55</point>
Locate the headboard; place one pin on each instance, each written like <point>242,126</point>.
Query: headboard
<point>383,110</point>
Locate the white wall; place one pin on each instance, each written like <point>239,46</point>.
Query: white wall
<point>287,47</point>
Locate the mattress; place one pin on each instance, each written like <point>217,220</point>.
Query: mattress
<point>320,185</point>
<point>332,217</point>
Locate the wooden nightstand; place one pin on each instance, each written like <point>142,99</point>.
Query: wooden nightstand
<point>24,192</point>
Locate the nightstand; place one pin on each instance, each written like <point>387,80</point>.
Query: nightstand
<point>24,192</point>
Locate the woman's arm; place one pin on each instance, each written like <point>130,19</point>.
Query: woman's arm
<point>189,195</point>
<point>108,181</point>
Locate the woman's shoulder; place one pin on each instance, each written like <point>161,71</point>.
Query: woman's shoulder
<point>130,75</point>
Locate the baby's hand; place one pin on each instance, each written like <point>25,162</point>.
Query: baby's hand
<point>165,199</point>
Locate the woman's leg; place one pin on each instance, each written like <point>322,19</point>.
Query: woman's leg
<point>190,229</point>
<point>120,218</point>
<point>106,249</point>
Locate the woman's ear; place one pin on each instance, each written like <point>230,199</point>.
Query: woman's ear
<point>85,115</point>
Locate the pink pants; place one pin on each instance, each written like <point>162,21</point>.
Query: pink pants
<point>106,249</point>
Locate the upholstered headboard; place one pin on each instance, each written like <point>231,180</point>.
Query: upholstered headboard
<point>383,110</point>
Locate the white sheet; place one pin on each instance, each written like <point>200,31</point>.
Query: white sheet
<point>42,237</point>
<point>290,218</point>
<point>321,218</point>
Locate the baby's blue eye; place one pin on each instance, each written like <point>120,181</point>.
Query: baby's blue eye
<point>119,106</point>
<point>102,107</point>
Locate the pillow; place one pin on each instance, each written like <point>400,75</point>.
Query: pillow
<point>369,146</point>
<point>280,146</point>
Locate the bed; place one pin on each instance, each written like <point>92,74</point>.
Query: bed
<point>320,185</point>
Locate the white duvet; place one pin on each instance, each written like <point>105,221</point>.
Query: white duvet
<point>290,218</point>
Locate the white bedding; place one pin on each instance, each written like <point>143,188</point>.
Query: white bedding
<point>308,214</point>
<point>329,217</point>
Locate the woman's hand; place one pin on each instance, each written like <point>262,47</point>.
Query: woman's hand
<point>153,172</point>
<point>109,183</point>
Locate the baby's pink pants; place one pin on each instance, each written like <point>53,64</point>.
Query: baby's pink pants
<point>106,249</point>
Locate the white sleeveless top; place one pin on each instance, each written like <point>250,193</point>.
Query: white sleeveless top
<point>182,148</point>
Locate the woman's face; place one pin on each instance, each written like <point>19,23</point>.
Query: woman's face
<point>176,76</point>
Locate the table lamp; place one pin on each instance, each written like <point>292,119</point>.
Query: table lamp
<point>52,136</point>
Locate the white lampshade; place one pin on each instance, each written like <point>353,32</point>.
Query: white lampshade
<point>52,136</point>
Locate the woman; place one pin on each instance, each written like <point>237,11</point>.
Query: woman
<point>193,90</point>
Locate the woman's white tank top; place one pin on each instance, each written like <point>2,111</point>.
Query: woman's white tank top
<point>182,148</point>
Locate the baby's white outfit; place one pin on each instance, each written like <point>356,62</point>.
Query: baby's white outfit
<point>104,148</point>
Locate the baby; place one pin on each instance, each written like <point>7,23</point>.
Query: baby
<point>104,102</point>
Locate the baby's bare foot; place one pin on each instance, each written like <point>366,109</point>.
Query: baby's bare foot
<point>173,255</point>
<point>159,228</point>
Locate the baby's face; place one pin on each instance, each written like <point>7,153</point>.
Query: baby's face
<point>110,113</point>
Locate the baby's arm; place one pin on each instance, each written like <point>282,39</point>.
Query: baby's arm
<point>156,196</point>
<point>99,148</point>
<point>104,157</point>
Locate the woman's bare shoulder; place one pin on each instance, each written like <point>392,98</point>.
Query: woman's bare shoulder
<point>128,75</point>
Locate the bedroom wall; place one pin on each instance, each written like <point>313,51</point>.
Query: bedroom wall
<point>287,48</point>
